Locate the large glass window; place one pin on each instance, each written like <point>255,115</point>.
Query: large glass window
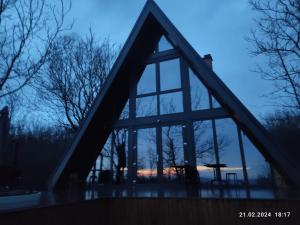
<point>159,146</point>
<point>171,103</point>
<point>147,82</point>
<point>120,155</point>
<point>199,93</point>
<point>204,149</point>
<point>146,106</point>
<point>229,152</point>
<point>146,155</point>
<point>258,169</point>
<point>173,153</point>
<point>170,75</point>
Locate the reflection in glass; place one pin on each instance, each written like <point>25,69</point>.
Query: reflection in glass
<point>101,172</point>
<point>171,103</point>
<point>199,93</point>
<point>258,169</point>
<point>205,153</point>
<point>215,103</point>
<point>105,155</point>
<point>173,153</point>
<point>229,152</point>
<point>147,82</point>
<point>125,113</point>
<point>169,75</point>
<point>120,153</point>
<point>146,155</point>
<point>164,44</point>
<point>146,106</point>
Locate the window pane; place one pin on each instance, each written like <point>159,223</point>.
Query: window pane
<point>258,169</point>
<point>205,153</point>
<point>101,171</point>
<point>106,153</point>
<point>199,93</point>
<point>173,154</point>
<point>215,103</point>
<point>169,75</point>
<point>146,106</point>
<point>229,152</point>
<point>125,112</point>
<point>120,156</point>
<point>147,82</point>
<point>146,155</point>
<point>164,44</point>
<point>171,103</point>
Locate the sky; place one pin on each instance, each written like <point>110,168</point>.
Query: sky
<point>212,27</point>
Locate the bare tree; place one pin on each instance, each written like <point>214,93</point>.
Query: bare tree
<point>205,151</point>
<point>76,71</point>
<point>284,127</point>
<point>146,154</point>
<point>12,101</point>
<point>119,162</point>
<point>27,30</point>
<point>173,149</point>
<point>277,36</point>
<point>152,161</point>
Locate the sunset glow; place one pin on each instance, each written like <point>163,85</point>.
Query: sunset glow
<point>172,171</point>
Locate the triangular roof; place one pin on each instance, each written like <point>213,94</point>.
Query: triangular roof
<point>150,26</point>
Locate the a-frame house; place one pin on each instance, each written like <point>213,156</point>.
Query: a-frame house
<point>139,51</point>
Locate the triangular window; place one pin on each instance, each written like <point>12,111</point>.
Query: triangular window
<point>164,44</point>
<point>125,113</point>
<point>229,152</point>
<point>215,103</point>
<point>199,93</point>
<point>101,170</point>
<point>258,169</point>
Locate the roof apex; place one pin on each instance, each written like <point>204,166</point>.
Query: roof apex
<point>152,23</point>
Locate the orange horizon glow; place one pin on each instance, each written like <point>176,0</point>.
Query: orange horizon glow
<point>171,171</point>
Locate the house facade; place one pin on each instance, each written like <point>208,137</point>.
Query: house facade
<point>165,118</point>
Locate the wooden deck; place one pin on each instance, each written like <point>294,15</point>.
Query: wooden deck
<point>152,211</point>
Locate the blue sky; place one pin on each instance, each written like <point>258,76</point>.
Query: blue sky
<point>210,26</point>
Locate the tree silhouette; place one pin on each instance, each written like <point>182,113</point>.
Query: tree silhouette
<point>28,28</point>
<point>276,36</point>
<point>76,72</point>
